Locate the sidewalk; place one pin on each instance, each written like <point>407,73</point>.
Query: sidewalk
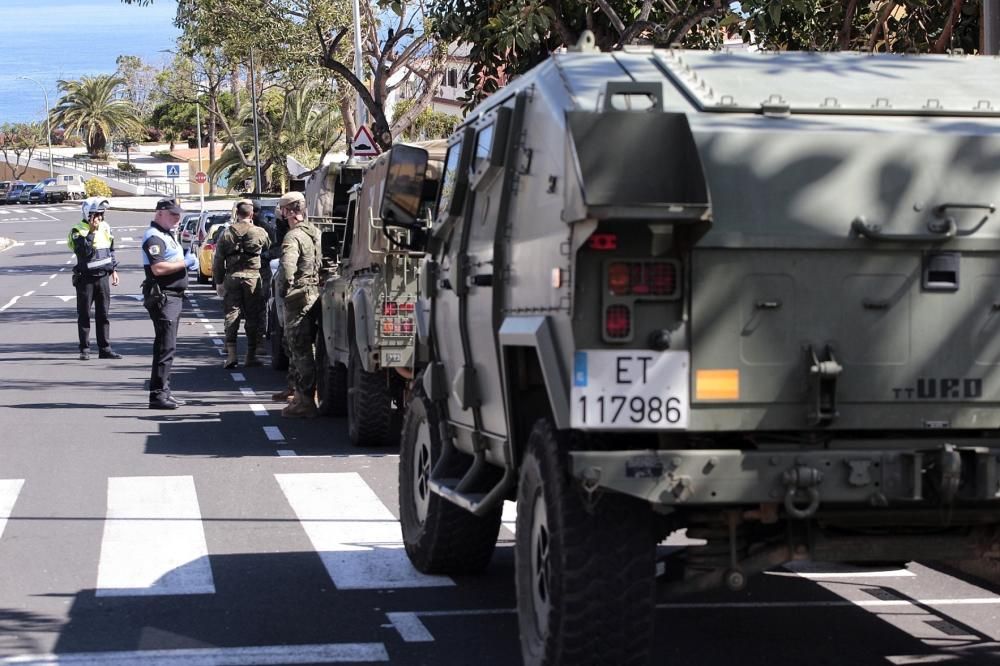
<point>148,204</point>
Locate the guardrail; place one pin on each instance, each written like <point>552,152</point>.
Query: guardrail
<point>138,178</point>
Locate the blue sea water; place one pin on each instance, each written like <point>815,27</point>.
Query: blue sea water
<point>50,40</point>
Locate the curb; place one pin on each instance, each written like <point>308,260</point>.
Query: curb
<point>984,569</point>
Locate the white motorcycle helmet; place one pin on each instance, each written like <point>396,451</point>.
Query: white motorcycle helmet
<point>93,205</point>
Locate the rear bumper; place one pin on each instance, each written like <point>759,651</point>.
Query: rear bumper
<point>803,482</point>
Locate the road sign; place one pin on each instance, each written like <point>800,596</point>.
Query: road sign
<point>201,177</point>
<point>173,171</point>
<point>364,144</point>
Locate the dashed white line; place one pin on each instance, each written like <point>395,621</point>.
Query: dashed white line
<point>39,243</point>
<point>217,341</point>
<point>274,433</point>
<point>44,284</point>
<point>239,377</point>
<point>410,628</point>
<point>287,453</point>
<point>210,327</point>
<point>29,293</point>
<point>329,653</point>
<point>248,392</point>
<point>52,277</point>
<point>203,321</point>
<point>258,409</point>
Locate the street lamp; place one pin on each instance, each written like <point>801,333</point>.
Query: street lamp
<point>48,120</point>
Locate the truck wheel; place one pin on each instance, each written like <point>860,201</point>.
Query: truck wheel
<point>331,383</point>
<point>279,360</point>
<point>370,412</point>
<point>440,537</point>
<point>584,575</point>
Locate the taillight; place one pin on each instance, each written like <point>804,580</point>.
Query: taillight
<point>406,327</point>
<point>617,321</point>
<point>390,309</point>
<point>642,278</point>
<point>388,327</point>
<point>603,242</point>
<point>407,307</point>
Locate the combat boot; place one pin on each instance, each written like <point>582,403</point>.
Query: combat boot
<point>231,360</point>
<point>302,407</point>
<point>283,396</point>
<point>251,360</point>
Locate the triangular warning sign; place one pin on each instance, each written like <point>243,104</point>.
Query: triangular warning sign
<point>363,144</point>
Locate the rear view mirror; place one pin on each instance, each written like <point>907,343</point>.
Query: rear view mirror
<point>404,185</point>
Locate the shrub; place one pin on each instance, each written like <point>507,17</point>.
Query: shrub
<point>73,141</point>
<point>128,168</point>
<point>96,188</point>
<point>154,134</point>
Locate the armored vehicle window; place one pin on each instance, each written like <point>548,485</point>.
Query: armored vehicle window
<point>449,178</point>
<point>484,141</point>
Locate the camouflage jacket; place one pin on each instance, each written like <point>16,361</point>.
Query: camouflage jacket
<point>301,259</point>
<point>238,251</point>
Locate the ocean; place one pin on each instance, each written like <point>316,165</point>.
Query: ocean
<point>49,40</point>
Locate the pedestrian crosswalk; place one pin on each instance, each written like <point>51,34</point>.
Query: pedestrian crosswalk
<point>7,210</point>
<point>153,540</point>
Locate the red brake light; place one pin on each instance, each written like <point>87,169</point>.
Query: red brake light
<point>406,327</point>
<point>389,309</point>
<point>662,278</point>
<point>617,321</point>
<point>603,242</point>
<point>407,307</point>
<point>618,279</point>
<point>637,278</point>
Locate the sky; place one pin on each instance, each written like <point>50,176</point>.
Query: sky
<point>66,39</point>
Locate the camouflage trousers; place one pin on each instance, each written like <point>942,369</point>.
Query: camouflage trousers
<point>243,300</point>
<point>300,334</point>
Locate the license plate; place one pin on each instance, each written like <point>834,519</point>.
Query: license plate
<point>631,390</point>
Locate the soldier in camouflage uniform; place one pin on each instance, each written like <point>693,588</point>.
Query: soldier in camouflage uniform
<point>236,271</point>
<point>298,284</point>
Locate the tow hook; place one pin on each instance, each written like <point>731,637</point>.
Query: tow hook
<point>802,482</point>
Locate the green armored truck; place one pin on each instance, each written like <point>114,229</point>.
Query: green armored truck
<point>368,310</point>
<point>755,296</point>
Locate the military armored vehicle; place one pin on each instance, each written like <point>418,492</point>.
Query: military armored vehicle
<point>368,309</point>
<point>753,296</point>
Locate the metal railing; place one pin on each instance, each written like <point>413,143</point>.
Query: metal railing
<point>138,178</point>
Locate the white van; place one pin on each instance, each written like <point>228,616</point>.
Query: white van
<point>66,186</point>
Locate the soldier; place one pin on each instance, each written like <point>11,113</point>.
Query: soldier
<point>298,285</point>
<point>94,275</point>
<point>260,220</point>
<point>236,272</point>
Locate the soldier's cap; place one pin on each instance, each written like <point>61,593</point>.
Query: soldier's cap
<point>288,198</point>
<point>170,205</point>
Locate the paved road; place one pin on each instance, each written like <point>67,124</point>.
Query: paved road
<point>223,532</point>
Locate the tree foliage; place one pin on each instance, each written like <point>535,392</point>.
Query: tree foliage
<point>93,108</point>
<point>19,141</point>
<point>508,38</point>
<point>428,124</point>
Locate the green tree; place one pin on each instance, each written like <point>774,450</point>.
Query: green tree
<point>428,124</point>
<point>18,141</point>
<point>139,85</point>
<point>92,108</point>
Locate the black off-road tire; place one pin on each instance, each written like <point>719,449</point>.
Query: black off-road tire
<point>585,577</point>
<point>371,415</point>
<point>440,537</point>
<point>331,383</point>
<point>279,359</point>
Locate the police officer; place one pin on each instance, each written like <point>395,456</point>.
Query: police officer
<point>236,272</point>
<point>166,267</point>
<point>298,284</point>
<point>94,275</point>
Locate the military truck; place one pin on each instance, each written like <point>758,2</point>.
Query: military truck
<point>749,295</point>
<point>368,309</point>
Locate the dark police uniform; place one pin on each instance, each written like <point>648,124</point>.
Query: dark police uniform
<point>95,261</point>
<point>163,299</point>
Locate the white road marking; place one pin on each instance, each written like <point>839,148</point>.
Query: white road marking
<point>10,303</point>
<point>9,490</point>
<point>209,327</point>
<point>509,516</point>
<point>239,377</point>
<point>258,410</point>
<point>358,539</point>
<point>153,541</point>
<point>824,570</point>
<point>39,243</point>
<point>52,277</point>
<point>61,270</point>
<point>410,628</point>
<point>274,433</point>
<point>127,238</point>
<point>66,299</point>
<point>248,392</point>
<point>271,655</point>
<point>287,453</point>
<point>203,321</point>
<point>217,341</point>
<point>44,284</point>
<point>69,261</point>
<point>61,242</point>
<point>29,293</point>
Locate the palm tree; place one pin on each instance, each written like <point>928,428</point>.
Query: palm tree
<point>306,126</point>
<point>92,108</point>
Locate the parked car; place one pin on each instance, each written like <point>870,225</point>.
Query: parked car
<point>14,193</point>
<point>4,188</point>
<point>25,193</point>
<point>206,221</point>
<point>66,186</point>
<point>187,229</point>
<point>36,194</point>
<point>206,252</point>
